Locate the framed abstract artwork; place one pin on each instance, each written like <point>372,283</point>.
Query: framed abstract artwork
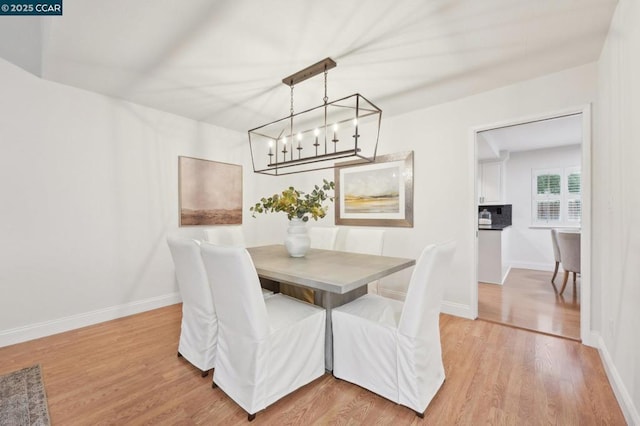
<point>210,192</point>
<point>375,194</point>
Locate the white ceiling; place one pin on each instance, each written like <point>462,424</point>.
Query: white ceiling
<point>555,132</point>
<point>223,61</point>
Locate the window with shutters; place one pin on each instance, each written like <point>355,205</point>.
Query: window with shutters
<point>556,197</point>
<point>574,196</point>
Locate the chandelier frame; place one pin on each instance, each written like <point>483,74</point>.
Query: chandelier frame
<point>354,109</point>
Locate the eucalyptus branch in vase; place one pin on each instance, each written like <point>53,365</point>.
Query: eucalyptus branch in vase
<point>298,204</point>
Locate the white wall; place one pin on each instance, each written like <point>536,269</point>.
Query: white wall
<point>22,42</point>
<point>531,247</point>
<point>616,207</point>
<point>89,192</point>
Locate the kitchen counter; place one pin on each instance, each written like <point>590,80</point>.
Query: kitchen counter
<point>492,227</point>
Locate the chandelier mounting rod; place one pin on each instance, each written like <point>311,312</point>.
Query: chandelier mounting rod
<point>310,71</point>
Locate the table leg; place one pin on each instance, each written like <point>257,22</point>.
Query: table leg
<point>329,301</point>
<point>268,284</point>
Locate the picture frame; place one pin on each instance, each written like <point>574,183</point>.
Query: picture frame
<point>375,194</point>
<point>210,192</point>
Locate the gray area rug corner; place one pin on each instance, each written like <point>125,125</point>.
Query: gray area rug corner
<point>23,400</point>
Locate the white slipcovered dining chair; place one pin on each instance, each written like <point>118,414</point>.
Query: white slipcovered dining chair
<point>556,253</point>
<point>267,348</point>
<point>229,236</point>
<point>323,237</point>
<point>365,241</point>
<point>199,327</point>
<point>393,348</point>
<point>569,245</point>
<point>225,236</point>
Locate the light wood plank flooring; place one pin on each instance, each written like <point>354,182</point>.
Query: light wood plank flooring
<point>125,372</point>
<point>528,300</point>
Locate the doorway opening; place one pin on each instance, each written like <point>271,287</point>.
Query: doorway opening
<point>532,176</point>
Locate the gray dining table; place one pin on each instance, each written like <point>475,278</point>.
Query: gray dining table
<point>336,277</point>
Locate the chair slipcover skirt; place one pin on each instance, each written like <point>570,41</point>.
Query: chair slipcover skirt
<point>369,351</point>
<point>199,327</point>
<point>198,337</point>
<point>257,373</point>
<point>364,354</point>
<point>267,348</point>
<point>393,348</point>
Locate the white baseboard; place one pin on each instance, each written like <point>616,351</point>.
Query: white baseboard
<point>629,411</point>
<point>450,308</point>
<point>392,294</point>
<point>47,328</point>
<point>456,309</point>
<point>532,265</point>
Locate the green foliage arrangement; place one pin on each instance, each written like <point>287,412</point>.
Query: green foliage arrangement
<point>297,204</point>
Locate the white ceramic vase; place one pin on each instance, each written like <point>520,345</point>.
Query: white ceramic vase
<point>297,241</point>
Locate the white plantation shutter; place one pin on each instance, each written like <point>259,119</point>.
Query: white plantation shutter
<point>548,211</point>
<point>547,192</point>
<point>556,197</point>
<point>574,195</point>
<point>574,210</point>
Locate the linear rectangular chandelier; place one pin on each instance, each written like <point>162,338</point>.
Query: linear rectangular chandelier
<point>314,139</point>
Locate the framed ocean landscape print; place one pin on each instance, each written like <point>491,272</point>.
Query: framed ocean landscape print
<point>375,194</point>
<point>210,192</point>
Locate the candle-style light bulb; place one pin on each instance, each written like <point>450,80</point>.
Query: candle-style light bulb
<point>270,154</point>
<point>355,125</point>
<point>316,132</point>
<point>299,137</point>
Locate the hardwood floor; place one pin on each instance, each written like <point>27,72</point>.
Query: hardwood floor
<point>126,372</point>
<point>528,300</point>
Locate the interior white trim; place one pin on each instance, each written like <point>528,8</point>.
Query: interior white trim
<point>392,294</point>
<point>585,276</point>
<point>532,265</point>
<point>449,308</point>
<point>458,310</point>
<point>585,241</point>
<point>47,328</point>
<point>629,411</point>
